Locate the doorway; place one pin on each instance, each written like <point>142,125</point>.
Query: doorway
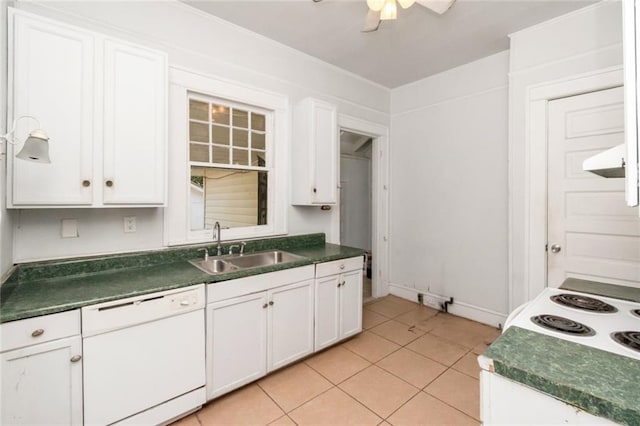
<point>356,198</point>
<point>592,234</point>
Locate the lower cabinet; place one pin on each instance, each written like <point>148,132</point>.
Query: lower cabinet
<point>42,382</point>
<point>338,301</point>
<point>251,335</point>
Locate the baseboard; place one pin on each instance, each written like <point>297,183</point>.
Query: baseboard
<point>462,309</point>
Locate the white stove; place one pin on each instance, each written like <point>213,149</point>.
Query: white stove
<point>612,325</point>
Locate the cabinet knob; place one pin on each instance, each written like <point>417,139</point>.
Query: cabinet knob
<point>339,284</point>
<point>315,190</point>
<point>38,332</point>
<point>344,282</point>
<point>109,183</point>
<point>86,183</point>
<point>265,306</point>
<point>271,303</point>
<point>76,358</point>
<point>341,266</point>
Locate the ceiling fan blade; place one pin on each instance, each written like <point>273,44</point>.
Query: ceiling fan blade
<point>438,6</point>
<point>372,22</point>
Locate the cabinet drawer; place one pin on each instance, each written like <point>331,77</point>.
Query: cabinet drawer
<point>31,331</point>
<point>339,266</point>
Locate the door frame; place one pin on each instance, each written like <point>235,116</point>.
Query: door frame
<point>379,198</point>
<point>537,103</point>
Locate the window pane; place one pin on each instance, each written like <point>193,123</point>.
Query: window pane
<point>199,152</point>
<point>235,198</point>
<point>241,157</point>
<point>240,138</point>
<point>220,155</point>
<point>220,135</point>
<point>258,159</point>
<point>198,132</point>
<point>240,118</point>
<point>257,121</point>
<point>219,114</point>
<point>198,110</point>
<point>257,140</point>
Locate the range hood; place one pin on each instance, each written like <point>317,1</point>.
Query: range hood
<point>609,163</point>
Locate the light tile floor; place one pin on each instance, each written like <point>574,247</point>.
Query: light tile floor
<point>412,365</point>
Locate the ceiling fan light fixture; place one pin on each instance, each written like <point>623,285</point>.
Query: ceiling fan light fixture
<point>375,5</point>
<point>389,10</point>
<point>406,3</point>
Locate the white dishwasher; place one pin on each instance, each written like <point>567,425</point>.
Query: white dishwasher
<point>144,357</point>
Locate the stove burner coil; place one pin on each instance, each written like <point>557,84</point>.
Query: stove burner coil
<point>585,303</point>
<point>628,339</point>
<point>636,312</point>
<point>562,325</point>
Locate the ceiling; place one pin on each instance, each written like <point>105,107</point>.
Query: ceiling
<point>418,44</point>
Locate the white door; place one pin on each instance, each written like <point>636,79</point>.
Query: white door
<point>350,303</point>
<point>53,82</point>
<point>327,300</point>
<point>290,322</point>
<point>42,384</point>
<point>135,109</point>
<point>592,234</point>
<point>236,342</point>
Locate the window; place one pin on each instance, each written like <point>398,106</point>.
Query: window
<point>227,160</point>
<point>229,163</point>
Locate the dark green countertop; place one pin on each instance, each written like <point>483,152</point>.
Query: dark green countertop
<point>51,287</point>
<point>598,382</point>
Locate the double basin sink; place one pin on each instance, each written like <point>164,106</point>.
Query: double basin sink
<point>236,262</point>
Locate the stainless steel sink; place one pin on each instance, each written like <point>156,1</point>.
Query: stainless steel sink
<point>220,265</point>
<point>265,258</point>
<point>214,265</point>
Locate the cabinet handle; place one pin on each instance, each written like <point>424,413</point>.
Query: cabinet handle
<point>271,303</point>
<point>109,183</point>
<point>76,358</point>
<point>86,183</point>
<point>341,266</point>
<point>38,332</point>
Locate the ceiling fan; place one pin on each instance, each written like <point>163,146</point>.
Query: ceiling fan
<point>380,10</point>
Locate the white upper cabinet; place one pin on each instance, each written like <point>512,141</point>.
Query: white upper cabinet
<point>315,153</point>
<point>135,102</point>
<point>631,42</point>
<point>103,104</point>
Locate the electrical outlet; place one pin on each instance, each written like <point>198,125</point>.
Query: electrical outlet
<point>129,224</point>
<point>69,228</point>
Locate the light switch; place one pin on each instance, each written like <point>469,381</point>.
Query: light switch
<point>69,228</point>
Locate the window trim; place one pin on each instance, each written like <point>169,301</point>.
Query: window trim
<point>183,84</point>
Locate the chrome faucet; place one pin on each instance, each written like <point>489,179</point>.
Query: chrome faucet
<point>216,229</point>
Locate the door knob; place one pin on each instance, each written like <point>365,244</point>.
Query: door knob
<point>556,248</point>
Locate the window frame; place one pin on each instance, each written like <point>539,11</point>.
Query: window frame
<point>184,85</point>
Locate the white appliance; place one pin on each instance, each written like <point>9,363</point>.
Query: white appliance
<point>144,358</point>
<point>605,323</point>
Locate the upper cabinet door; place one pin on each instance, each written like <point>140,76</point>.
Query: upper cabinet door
<point>315,153</point>
<point>135,109</point>
<point>325,144</point>
<point>52,79</point>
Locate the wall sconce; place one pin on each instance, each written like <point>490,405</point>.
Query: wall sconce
<point>36,146</point>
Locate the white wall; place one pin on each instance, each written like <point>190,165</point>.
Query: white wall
<point>449,187</point>
<point>6,222</point>
<point>200,42</point>
<point>584,41</point>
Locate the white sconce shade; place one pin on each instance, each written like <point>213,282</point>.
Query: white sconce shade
<point>36,148</point>
<point>406,3</point>
<point>375,5</point>
<point>389,10</point>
